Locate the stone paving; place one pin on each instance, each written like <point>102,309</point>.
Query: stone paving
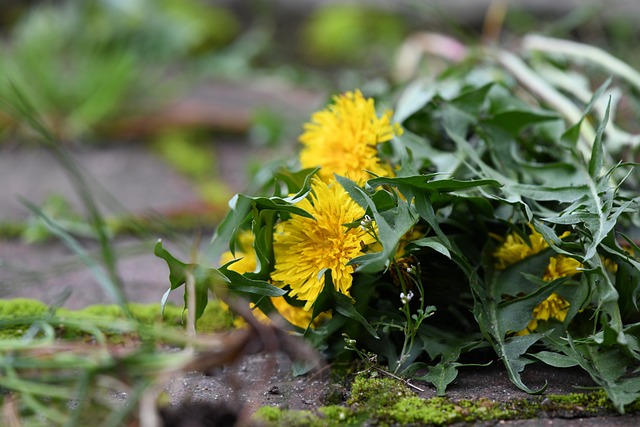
<point>136,181</point>
<point>130,178</point>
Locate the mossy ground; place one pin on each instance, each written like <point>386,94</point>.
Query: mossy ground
<point>387,402</point>
<point>373,400</point>
<point>16,315</point>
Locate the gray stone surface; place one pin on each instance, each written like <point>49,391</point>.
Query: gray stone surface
<point>49,270</point>
<point>122,178</point>
<point>129,178</point>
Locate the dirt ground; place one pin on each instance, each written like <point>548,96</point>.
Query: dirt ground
<point>259,380</point>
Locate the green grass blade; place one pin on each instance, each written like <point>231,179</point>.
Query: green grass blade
<point>104,279</point>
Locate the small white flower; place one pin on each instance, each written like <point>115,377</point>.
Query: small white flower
<point>405,299</point>
<point>365,223</point>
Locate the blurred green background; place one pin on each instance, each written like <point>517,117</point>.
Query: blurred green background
<point>92,66</point>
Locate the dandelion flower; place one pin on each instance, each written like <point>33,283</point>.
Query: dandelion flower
<point>343,138</point>
<point>247,263</point>
<point>295,315</point>
<point>555,306</point>
<point>514,248</point>
<point>246,256</point>
<point>609,264</point>
<point>561,266</point>
<point>305,247</point>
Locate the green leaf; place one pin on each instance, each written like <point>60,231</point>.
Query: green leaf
<point>205,278</point>
<point>262,228</point>
<point>597,152</point>
<point>607,366</point>
<point>354,191</point>
<point>515,120</point>
<point>448,346</point>
<point>511,352</point>
<point>556,360</point>
<point>572,135</point>
<point>412,184</point>
<point>298,182</point>
<point>456,120</point>
<point>344,305</point>
<point>514,315</point>
<point>441,376</point>
<point>392,225</point>
<point>244,284</point>
<point>496,320</point>
<point>242,208</point>
<point>515,279</point>
<point>426,212</point>
<point>473,101</point>
<point>433,243</point>
<point>562,194</point>
<point>607,298</point>
<point>416,96</point>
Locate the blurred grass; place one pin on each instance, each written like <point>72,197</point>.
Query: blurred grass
<point>80,381</point>
<point>88,62</point>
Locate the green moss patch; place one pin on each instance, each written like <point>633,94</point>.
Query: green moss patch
<point>21,307</point>
<point>16,315</point>
<point>387,402</point>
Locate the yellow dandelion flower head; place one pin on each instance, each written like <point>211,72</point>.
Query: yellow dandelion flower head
<point>561,266</point>
<point>304,247</point>
<point>609,264</point>
<point>244,252</point>
<point>295,315</point>
<point>612,266</point>
<point>343,138</point>
<point>410,236</point>
<point>554,307</point>
<point>514,248</point>
<point>531,327</point>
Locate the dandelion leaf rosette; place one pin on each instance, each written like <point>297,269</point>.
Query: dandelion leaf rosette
<point>484,210</point>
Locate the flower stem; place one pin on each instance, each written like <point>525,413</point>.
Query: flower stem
<point>538,86</point>
<point>583,52</point>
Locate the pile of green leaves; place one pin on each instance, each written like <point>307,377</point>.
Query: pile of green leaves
<point>486,151</point>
